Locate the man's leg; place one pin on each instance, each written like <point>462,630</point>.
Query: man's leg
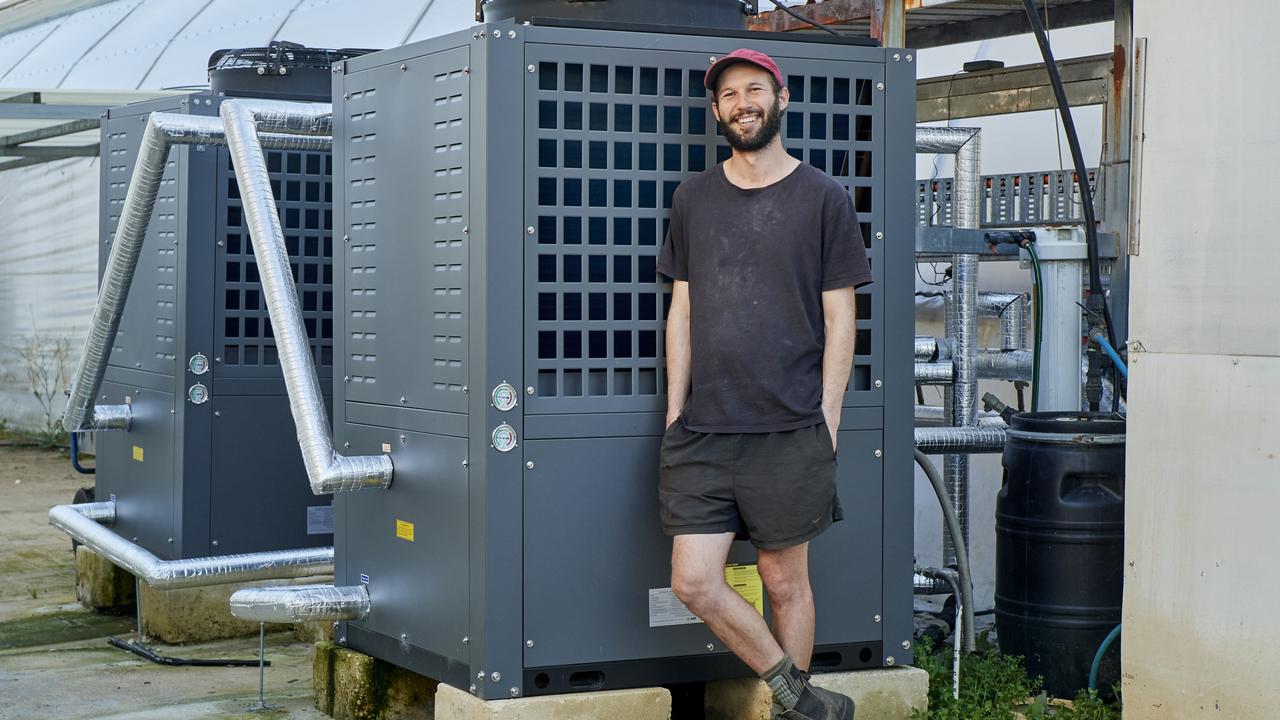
<point>697,578</point>
<point>785,574</point>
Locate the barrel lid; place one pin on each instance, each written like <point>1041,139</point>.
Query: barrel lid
<point>1069,422</point>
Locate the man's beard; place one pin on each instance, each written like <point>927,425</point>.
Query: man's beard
<point>770,123</point>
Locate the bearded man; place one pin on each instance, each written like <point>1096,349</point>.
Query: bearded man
<point>765,253</point>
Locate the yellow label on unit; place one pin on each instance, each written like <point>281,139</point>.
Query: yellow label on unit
<point>137,453</point>
<point>404,530</point>
<point>745,580</point>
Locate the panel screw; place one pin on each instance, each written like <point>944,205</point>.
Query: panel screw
<point>711,647</point>
<point>217,413</point>
<point>402,439</point>
<point>896,57</point>
<point>466,389</point>
<point>528,643</point>
<point>466,639</point>
<point>712,59</point>
<point>908,57</point>
<point>170,541</point>
<point>530,466</point>
<point>497,33</point>
<point>529,229</point>
<point>480,675</point>
<point>531,68</point>
<point>879,236</point>
<point>466,229</point>
<point>346,446</point>
<point>877,617</point>
<point>215,543</point>
<point>403,67</point>
<point>466,463</point>
<point>403,400</point>
<point>515,692</point>
<point>889,660</point>
<point>906,644</point>
<point>879,453</point>
<point>879,86</point>
<point>219,243</point>
<point>404,637</point>
<point>473,688</point>
<point>342,640</point>
<point>495,676</point>
<point>511,33</point>
<point>879,383</point>
<point>346,96</point>
<point>527,391</point>
<point>346,378</point>
<point>346,238</point>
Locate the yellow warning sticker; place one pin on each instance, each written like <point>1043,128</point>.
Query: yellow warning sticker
<point>404,530</point>
<point>745,580</point>
<point>137,453</point>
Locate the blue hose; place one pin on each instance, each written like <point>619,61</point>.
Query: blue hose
<point>1097,657</point>
<point>75,457</point>
<point>1115,356</point>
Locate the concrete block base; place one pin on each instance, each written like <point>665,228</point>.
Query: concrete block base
<point>349,685</point>
<point>200,614</point>
<point>101,586</point>
<point>882,694</point>
<point>638,704</point>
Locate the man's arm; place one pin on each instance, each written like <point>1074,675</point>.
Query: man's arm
<point>839,316</point>
<point>679,357</point>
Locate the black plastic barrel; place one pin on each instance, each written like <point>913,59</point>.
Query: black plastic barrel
<point>1060,545</point>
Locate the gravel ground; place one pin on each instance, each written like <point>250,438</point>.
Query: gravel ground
<point>54,660</point>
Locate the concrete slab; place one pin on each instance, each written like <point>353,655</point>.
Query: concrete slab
<point>638,704</point>
<point>200,614</point>
<point>100,585</point>
<point>349,685</point>
<point>883,694</point>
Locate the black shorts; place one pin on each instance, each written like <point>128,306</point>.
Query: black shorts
<point>775,489</point>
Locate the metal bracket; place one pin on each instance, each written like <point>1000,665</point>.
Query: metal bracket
<point>941,240</point>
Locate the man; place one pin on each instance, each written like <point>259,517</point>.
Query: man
<point>765,254</point>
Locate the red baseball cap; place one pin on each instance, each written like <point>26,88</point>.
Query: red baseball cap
<point>754,57</point>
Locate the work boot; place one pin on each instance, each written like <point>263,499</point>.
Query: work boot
<point>818,704</point>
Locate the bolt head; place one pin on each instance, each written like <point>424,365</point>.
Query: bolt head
<point>906,644</point>
<point>908,57</point>
<point>473,688</point>
<point>712,60</point>
<point>511,33</point>
<point>879,86</point>
<point>532,68</point>
<point>497,33</point>
<point>403,400</point>
<point>528,643</point>
<point>879,383</point>
<point>495,676</point>
<point>480,675</point>
<point>879,453</point>
<point>466,639</point>
<point>346,378</point>
<point>529,465</point>
<point>529,229</point>
<point>528,390</point>
<point>897,57</point>
<point>403,67</point>
<point>711,647</point>
<point>889,661</point>
<point>515,692</point>
<point>877,617</point>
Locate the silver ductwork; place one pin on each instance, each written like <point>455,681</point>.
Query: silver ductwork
<point>301,603</point>
<point>88,524</point>
<point>1004,364</point>
<point>934,373</point>
<point>936,415</point>
<point>926,348</point>
<point>163,130</point>
<point>328,471</point>
<point>953,440</point>
<point>1010,308</point>
<point>961,398</point>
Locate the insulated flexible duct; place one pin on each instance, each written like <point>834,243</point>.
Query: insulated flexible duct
<point>961,398</point>
<point>953,440</point>
<point>926,348</point>
<point>328,471</point>
<point>163,130</point>
<point>1004,364</point>
<point>87,524</point>
<point>936,414</point>
<point>301,603</point>
<point>934,373</point>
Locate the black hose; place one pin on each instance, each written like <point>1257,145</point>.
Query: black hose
<point>75,457</point>
<point>1082,175</point>
<point>145,652</point>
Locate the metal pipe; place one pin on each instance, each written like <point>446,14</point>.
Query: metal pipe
<point>935,373</point>
<point>327,470</point>
<point>111,417</point>
<point>301,603</point>
<point>163,130</point>
<point>950,577</point>
<point>88,524</point>
<point>981,439</point>
<point>1003,364</point>
<point>926,348</point>
<point>1010,308</point>
<point>935,414</point>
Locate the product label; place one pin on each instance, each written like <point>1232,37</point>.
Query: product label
<point>404,530</point>
<point>665,609</point>
<point>137,453</point>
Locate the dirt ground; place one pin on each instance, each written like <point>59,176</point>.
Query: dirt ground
<point>54,658</point>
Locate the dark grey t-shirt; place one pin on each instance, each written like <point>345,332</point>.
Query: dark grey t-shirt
<point>757,262</point>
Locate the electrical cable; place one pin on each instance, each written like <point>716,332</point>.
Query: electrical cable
<point>1038,325</point>
<point>802,18</point>
<point>1077,157</point>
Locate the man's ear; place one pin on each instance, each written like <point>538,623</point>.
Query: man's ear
<point>715,110</point>
<point>784,98</point>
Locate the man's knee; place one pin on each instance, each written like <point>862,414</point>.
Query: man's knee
<point>695,589</point>
<point>785,580</point>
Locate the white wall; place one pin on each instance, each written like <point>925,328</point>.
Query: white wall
<point>1204,425</point>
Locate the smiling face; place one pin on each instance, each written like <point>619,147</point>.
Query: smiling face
<point>748,106</point>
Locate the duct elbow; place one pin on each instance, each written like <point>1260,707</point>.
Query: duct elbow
<point>301,603</point>
<point>349,474</point>
<point>111,417</point>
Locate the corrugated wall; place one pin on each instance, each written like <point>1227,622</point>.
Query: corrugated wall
<point>1204,423</point>
<point>48,272</point>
